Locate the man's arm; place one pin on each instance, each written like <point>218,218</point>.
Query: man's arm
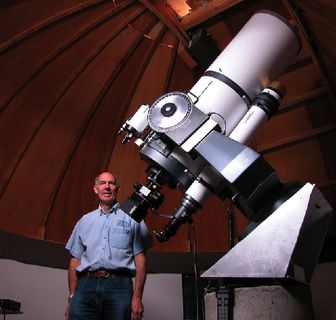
<point>139,283</point>
<point>72,281</point>
<point>72,276</point>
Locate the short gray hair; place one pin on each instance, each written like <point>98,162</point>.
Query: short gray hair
<point>116,180</point>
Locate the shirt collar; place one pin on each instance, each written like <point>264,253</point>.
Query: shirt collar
<point>113,209</point>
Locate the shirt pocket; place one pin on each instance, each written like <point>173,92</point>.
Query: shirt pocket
<point>120,237</point>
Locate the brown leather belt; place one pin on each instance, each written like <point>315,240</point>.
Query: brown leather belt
<point>102,273</point>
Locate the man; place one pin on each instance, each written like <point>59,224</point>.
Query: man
<point>108,248</point>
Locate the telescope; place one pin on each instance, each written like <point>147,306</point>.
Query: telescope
<point>197,141</point>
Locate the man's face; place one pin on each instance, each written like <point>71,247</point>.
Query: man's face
<point>106,188</point>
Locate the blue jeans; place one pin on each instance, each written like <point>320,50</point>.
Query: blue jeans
<point>102,298</point>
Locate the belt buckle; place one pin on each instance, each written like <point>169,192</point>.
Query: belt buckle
<point>107,274</point>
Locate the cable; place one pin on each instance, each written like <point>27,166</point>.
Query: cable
<point>231,225</point>
<point>169,216</point>
<point>194,251</point>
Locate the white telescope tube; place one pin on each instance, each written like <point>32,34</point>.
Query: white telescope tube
<point>249,125</point>
<point>257,55</point>
<point>200,189</point>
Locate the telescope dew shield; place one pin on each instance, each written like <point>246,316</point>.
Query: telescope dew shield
<point>258,55</point>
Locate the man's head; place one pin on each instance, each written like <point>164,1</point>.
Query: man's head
<point>106,187</point>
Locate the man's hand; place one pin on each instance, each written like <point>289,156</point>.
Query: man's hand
<point>137,309</point>
<point>72,281</point>
<point>67,310</point>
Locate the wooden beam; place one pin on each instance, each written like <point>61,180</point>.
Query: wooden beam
<point>315,58</point>
<point>56,18</point>
<point>186,57</point>
<point>304,98</point>
<point>168,17</point>
<point>299,62</point>
<point>204,13</point>
<point>299,138</point>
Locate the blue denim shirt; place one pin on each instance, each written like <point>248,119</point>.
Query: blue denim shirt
<point>108,240</point>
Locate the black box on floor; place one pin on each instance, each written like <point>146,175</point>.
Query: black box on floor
<point>7,304</point>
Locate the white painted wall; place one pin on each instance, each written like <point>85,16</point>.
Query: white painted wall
<point>43,292</point>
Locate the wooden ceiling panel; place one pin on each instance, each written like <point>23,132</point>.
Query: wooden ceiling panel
<point>34,52</point>
<point>31,106</point>
<point>96,145</point>
<point>327,147</point>
<point>59,133</point>
<point>300,162</point>
<point>182,78</point>
<point>302,81</point>
<point>302,121</point>
<point>22,15</point>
